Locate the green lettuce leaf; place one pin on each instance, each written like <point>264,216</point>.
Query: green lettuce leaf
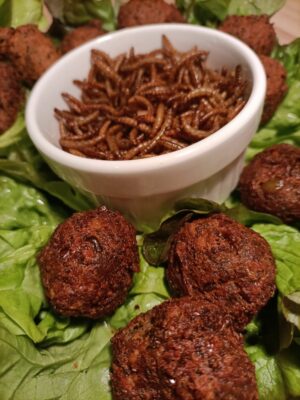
<point>20,160</point>
<point>204,12</point>
<point>285,243</point>
<point>247,217</point>
<point>291,308</point>
<point>270,381</point>
<point>289,319</point>
<point>149,289</point>
<point>18,12</point>
<point>77,370</point>
<point>257,7</point>
<point>13,135</point>
<point>149,280</point>
<point>284,127</point>
<point>22,206</point>
<point>289,362</point>
<point>133,307</point>
<point>266,137</point>
<point>287,116</point>
<point>26,222</point>
<point>5,13</point>
<point>57,329</point>
<point>210,12</point>
<point>286,329</point>
<point>278,376</point>
<point>77,12</point>
<point>289,56</point>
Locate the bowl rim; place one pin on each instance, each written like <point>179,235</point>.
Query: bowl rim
<point>130,167</point>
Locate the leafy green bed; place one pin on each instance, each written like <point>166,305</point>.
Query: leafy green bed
<point>44,357</point>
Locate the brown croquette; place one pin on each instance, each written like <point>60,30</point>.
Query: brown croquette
<point>88,264</point>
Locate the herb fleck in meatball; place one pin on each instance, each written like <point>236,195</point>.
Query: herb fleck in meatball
<point>271,182</point>
<point>217,252</point>
<point>143,12</point>
<point>31,52</point>
<point>276,86</point>
<point>81,35</point>
<point>255,30</point>
<point>183,349</point>
<point>11,96</point>
<point>88,264</point>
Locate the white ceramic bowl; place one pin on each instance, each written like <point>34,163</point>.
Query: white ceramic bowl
<point>146,189</point>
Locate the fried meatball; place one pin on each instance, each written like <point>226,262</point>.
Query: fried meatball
<point>271,182</point>
<point>11,96</point>
<point>88,264</point>
<point>183,349</point>
<point>81,35</point>
<point>276,86</point>
<point>31,52</point>
<point>143,12</point>
<point>216,252</point>
<point>255,30</point>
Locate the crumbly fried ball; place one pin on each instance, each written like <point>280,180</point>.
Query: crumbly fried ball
<point>31,52</point>
<point>255,30</point>
<point>11,96</point>
<point>183,349</point>
<point>215,252</point>
<point>271,182</point>
<point>276,86</point>
<point>5,35</point>
<point>81,35</point>
<point>143,12</point>
<point>88,264</point>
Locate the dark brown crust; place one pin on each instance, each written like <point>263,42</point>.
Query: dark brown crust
<point>5,35</point>
<point>183,349</point>
<point>88,264</point>
<point>271,182</point>
<point>81,35</point>
<point>218,253</point>
<point>143,12</point>
<point>276,86</point>
<point>31,52</point>
<point>255,30</point>
<point>11,96</point>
